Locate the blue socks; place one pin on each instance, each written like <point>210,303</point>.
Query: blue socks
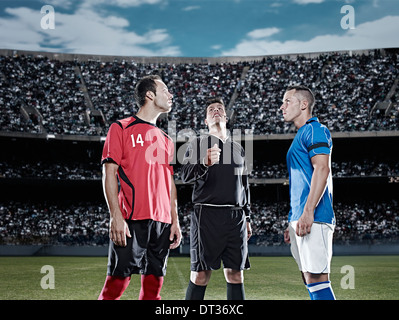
<point>320,291</point>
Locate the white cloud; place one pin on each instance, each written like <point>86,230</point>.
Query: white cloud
<point>84,31</point>
<point>117,22</point>
<point>120,3</point>
<point>308,1</point>
<point>191,8</point>
<point>216,47</point>
<point>17,35</point>
<point>132,3</point>
<point>66,4</point>
<point>380,33</point>
<point>262,33</point>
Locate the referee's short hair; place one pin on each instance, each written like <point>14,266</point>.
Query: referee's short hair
<point>304,93</point>
<point>211,100</point>
<point>145,84</point>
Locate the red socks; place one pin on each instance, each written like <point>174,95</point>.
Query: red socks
<point>115,286</point>
<point>150,287</point>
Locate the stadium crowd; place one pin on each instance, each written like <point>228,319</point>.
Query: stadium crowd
<point>92,171</point>
<point>111,86</point>
<point>39,95</point>
<point>42,223</point>
<point>347,87</point>
<point>51,87</point>
<point>50,170</point>
<point>87,223</point>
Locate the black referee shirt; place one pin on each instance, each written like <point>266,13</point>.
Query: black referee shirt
<point>225,182</point>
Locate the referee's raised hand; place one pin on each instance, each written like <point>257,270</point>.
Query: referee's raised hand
<point>213,155</point>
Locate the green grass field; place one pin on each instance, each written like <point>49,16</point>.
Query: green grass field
<point>270,278</point>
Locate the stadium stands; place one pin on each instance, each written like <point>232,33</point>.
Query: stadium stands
<point>348,86</point>
<point>262,170</point>
<point>86,223</point>
<point>77,99</point>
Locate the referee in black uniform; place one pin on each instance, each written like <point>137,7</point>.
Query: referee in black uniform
<point>220,222</point>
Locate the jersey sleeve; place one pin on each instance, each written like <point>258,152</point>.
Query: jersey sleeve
<point>192,168</point>
<point>318,141</point>
<point>112,151</point>
<point>171,151</point>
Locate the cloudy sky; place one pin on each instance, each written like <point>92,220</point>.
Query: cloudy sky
<point>199,28</point>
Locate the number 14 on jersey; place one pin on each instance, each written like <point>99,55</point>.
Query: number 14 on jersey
<point>137,140</point>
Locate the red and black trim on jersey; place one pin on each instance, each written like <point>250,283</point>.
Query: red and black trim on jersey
<point>124,178</point>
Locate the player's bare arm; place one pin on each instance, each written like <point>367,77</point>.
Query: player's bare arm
<point>118,229</point>
<point>175,233</point>
<point>317,186</point>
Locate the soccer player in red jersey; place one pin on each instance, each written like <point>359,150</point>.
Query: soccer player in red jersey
<point>144,223</point>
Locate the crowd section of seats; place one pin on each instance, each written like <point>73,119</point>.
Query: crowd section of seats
<point>48,86</point>
<point>262,170</point>
<point>87,223</point>
<point>347,87</point>
<point>41,95</point>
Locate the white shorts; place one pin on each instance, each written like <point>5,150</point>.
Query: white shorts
<point>313,252</point>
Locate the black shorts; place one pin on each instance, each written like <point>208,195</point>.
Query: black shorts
<point>218,234</point>
<point>146,251</point>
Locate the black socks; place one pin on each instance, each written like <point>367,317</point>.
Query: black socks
<point>235,291</point>
<point>195,292</point>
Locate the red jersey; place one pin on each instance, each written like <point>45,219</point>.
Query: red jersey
<point>144,153</point>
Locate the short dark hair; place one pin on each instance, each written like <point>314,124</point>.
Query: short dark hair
<point>211,100</point>
<point>306,93</point>
<point>145,84</point>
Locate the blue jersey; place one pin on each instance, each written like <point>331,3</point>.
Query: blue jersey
<point>312,138</point>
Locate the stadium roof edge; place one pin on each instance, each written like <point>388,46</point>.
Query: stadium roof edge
<point>232,59</point>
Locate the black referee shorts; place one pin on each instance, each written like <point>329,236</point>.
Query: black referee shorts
<point>146,251</point>
<point>218,234</point>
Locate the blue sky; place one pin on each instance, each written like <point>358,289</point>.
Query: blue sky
<point>198,28</point>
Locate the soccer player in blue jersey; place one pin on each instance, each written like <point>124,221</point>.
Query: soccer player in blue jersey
<point>311,217</point>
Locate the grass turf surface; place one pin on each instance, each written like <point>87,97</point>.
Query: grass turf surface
<point>270,278</point>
